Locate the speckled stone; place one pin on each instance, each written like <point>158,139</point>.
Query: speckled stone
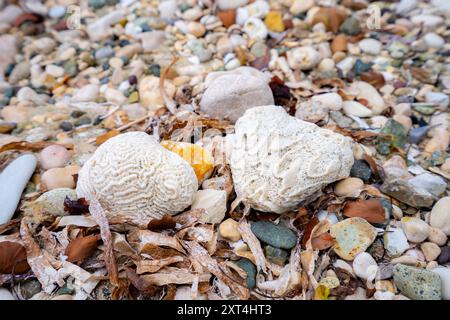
<point>361,169</point>
<point>417,284</point>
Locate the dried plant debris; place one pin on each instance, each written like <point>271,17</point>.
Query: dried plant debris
<point>187,150</point>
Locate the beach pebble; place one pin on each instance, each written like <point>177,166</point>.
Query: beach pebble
<point>444,274</point>
<point>6,295</point>
<point>430,250</point>
<point>152,40</point>
<point>402,190</point>
<point>349,187</point>
<point>303,58</point>
<point>52,201</point>
<point>250,269</point>
<point>300,6</point>
<point>365,267</point>
<point>370,46</point>
<point>354,108</point>
<point>332,100</point>
<point>54,156</point>
<point>417,284</point>
<point>353,236</point>
<point>258,9</point>
<point>255,28</point>
<point>433,40</point>
<point>230,95</point>
<point>87,93</point>
<point>437,236</point>
<point>427,20</point>
<point>395,241</point>
<point>367,92</point>
<point>416,230</point>
<point>60,177</point>
<point>150,95</point>
<point>405,6</point>
<point>434,184</point>
<point>228,229</point>
<point>441,99</point>
<point>440,215</point>
<point>13,180</point>
<point>274,235</point>
<point>230,4</point>
<point>214,202</point>
<point>361,169</point>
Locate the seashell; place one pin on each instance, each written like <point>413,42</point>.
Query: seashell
<point>132,175</point>
<point>278,161</point>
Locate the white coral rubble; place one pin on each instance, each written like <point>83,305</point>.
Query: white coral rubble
<point>278,161</point>
<point>132,175</point>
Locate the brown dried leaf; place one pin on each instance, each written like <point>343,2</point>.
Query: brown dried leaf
<point>9,225</point>
<point>139,283</point>
<point>322,242</point>
<point>13,258</point>
<point>372,210</point>
<point>201,256</point>
<point>189,218</point>
<point>82,248</point>
<point>104,137</point>
<point>373,165</point>
<point>76,207</point>
<point>309,228</point>
<point>376,79</point>
<point>151,266</point>
<point>149,238</point>
<point>166,222</point>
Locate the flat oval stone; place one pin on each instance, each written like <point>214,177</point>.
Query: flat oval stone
<point>275,235</point>
<point>353,236</point>
<point>13,180</point>
<point>250,268</point>
<point>417,284</point>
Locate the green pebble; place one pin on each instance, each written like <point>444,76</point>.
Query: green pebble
<point>275,255</point>
<point>417,284</point>
<point>250,268</point>
<point>274,235</point>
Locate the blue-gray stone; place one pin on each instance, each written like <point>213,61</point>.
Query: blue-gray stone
<point>275,235</point>
<point>250,268</point>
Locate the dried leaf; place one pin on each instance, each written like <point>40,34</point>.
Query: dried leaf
<point>82,248</point>
<point>139,283</point>
<point>9,225</point>
<point>151,266</point>
<point>79,221</point>
<point>76,207</point>
<point>201,256</point>
<point>99,215</point>
<point>13,258</point>
<point>170,275</point>
<point>322,242</point>
<point>104,137</point>
<point>30,146</point>
<point>372,210</point>
<point>253,243</point>
<point>376,79</point>
<point>309,228</point>
<point>149,238</point>
<point>373,165</point>
<point>166,222</point>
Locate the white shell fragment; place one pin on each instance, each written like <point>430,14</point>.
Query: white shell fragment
<point>132,175</point>
<point>278,161</point>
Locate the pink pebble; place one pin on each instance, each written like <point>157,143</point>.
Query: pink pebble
<point>54,156</point>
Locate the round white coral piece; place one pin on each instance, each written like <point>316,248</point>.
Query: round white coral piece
<point>132,175</point>
<point>278,161</point>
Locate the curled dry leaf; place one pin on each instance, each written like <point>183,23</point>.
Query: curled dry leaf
<point>189,218</point>
<point>372,210</point>
<point>104,137</point>
<point>166,222</point>
<point>151,266</point>
<point>79,221</point>
<point>201,256</point>
<point>322,241</point>
<point>254,244</point>
<point>81,248</point>
<point>76,207</point>
<point>144,288</point>
<point>170,275</point>
<point>148,239</point>
<point>13,258</point>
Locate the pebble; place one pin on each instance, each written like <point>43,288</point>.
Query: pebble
<point>230,4</point>
<point>437,236</point>
<point>275,255</point>
<point>370,46</point>
<point>255,29</point>
<point>56,12</point>
<point>87,93</point>
<point>434,184</point>
<point>405,192</point>
<point>365,267</point>
<point>332,100</point>
<point>214,202</point>
<point>444,274</point>
<point>349,187</point>
<point>351,26</point>
<point>274,235</point>
<point>149,92</point>
<point>395,241</point>
<point>230,95</point>
<point>6,295</point>
<point>250,268</point>
<point>444,257</point>
<point>13,180</point>
<point>433,41</point>
<point>354,108</point>
<point>339,43</point>
<point>52,202</point>
<point>439,98</point>
<point>415,229</point>
<point>430,250</point>
<point>152,40</point>
<point>104,52</point>
<point>21,71</point>
<point>369,93</point>
<point>56,178</point>
<point>54,156</point>
<point>440,215</point>
<point>353,236</point>
<point>361,169</point>
<point>405,6</point>
<point>303,58</point>
<point>417,284</point>
<point>228,229</point>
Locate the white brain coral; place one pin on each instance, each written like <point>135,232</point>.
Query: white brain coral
<point>278,161</point>
<point>132,175</point>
